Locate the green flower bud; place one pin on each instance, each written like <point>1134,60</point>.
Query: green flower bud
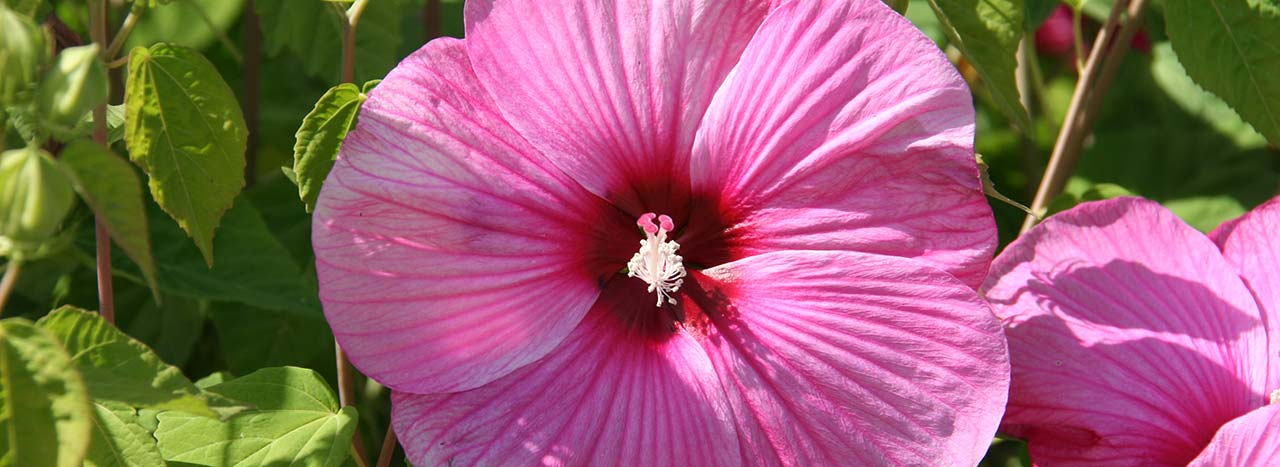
<point>74,85</point>
<point>23,49</point>
<point>34,198</point>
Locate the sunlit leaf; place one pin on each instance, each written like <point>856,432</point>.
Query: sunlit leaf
<point>321,136</point>
<point>297,422</point>
<point>118,368</point>
<point>987,32</point>
<point>119,440</point>
<point>1230,48</point>
<point>184,127</point>
<point>44,406</point>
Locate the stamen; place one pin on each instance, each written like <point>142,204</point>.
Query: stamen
<point>1275,397</point>
<point>657,263</point>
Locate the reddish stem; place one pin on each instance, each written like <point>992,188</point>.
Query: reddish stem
<point>388,448</point>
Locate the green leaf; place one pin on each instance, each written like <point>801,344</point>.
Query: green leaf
<point>1230,48</point>
<point>25,7</point>
<point>312,30</point>
<point>1037,11</point>
<point>189,23</point>
<point>320,137</point>
<point>252,338</point>
<point>171,328</point>
<point>297,422</point>
<point>110,187</point>
<point>184,127</point>
<point>44,406</point>
<point>119,440</point>
<point>118,368</point>
<point>1173,79</point>
<point>277,199</point>
<point>987,32</point>
<point>251,266</point>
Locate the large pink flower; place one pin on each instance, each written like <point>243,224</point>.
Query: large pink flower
<point>1135,340</point>
<point>813,230</point>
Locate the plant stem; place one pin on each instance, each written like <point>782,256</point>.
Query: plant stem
<point>388,447</point>
<point>1099,71</point>
<point>346,397</point>
<point>346,385</point>
<point>106,299</point>
<point>1077,36</point>
<point>117,42</point>
<point>11,278</point>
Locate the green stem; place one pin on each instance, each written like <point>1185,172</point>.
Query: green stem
<point>354,12</point>
<point>10,279</point>
<point>122,35</point>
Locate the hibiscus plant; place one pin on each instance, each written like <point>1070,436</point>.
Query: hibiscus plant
<point>639,232</point>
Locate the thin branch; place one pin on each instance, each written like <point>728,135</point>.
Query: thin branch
<point>388,448</point>
<point>106,296</point>
<point>346,397</point>
<point>1099,71</point>
<point>346,385</point>
<point>355,11</point>
<point>11,278</point>
<point>122,35</point>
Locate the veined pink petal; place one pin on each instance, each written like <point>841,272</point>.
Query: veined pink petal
<point>845,128</point>
<point>604,397</point>
<point>1250,244</point>
<point>1132,339</point>
<point>445,246</point>
<point>843,358</point>
<point>611,91</point>
<point>1252,440</point>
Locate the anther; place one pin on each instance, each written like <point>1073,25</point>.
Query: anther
<point>657,263</point>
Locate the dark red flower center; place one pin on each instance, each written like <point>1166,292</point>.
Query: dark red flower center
<point>699,223</point>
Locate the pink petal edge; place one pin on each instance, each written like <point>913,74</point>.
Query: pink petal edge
<point>611,91</point>
<point>1250,244</point>
<point>443,243</point>
<point>842,358</point>
<point>604,397</point>
<point>1130,336</point>
<point>1252,440</point>
<point>844,128</point>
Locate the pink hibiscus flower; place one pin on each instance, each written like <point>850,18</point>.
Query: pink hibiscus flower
<point>1135,340</point>
<point>801,287</point>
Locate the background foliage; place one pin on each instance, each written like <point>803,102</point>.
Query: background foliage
<point>222,117</point>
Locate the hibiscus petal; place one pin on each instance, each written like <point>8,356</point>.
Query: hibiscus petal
<point>842,358</point>
<point>1251,440</point>
<point>1130,336</point>
<point>1249,243</point>
<point>445,250</point>
<point>606,396</point>
<point>611,91</point>
<point>845,128</point>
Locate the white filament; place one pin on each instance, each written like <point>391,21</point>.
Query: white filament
<point>657,263</point>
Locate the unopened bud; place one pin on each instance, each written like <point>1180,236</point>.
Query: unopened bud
<point>23,49</point>
<point>76,82</point>
<point>34,198</point>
